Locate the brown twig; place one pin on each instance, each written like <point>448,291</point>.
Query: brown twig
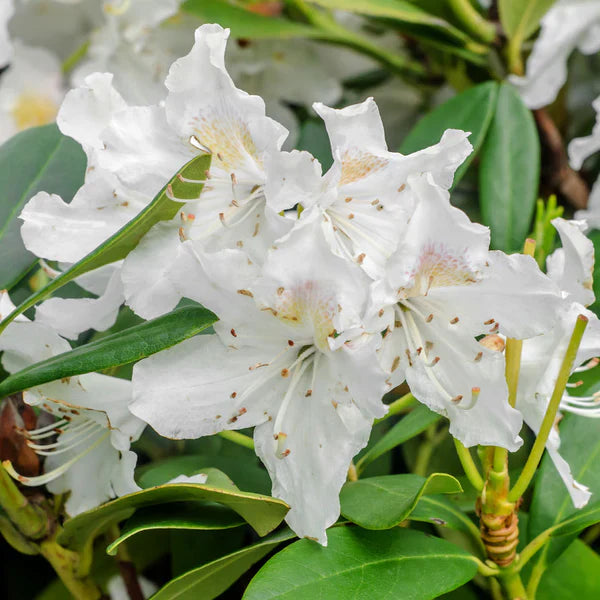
<point>129,575</point>
<point>558,174</point>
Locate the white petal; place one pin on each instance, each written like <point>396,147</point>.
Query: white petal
<point>87,110</point>
<point>142,148</point>
<point>204,102</point>
<point>117,590</point>
<point>200,387</point>
<point>71,316</point>
<point>592,214</point>
<point>6,12</point>
<point>55,230</point>
<point>25,343</point>
<point>581,148</point>
<point>563,28</point>
<point>145,275</point>
<point>321,439</point>
<point>572,266</point>
<point>102,474</point>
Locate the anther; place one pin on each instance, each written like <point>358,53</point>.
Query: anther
<point>429,318</point>
<point>246,293</point>
<point>456,399</point>
<point>454,321</point>
<point>233,333</point>
<point>395,363</point>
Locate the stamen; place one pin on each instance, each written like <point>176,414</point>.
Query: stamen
<point>51,475</point>
<point>590,364</point>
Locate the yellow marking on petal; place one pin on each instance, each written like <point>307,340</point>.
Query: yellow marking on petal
<point>229,139</point>
<point>358,165</point>
<point>32,110</point>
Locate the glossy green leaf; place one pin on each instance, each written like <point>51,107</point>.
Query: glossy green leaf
<point>211,580</point>
<point>262,513</point>
<point>246,24</point>
<point>415,422</point>
<point>37,159</point>
<point>126,239</point>
<point>509,171</point>
<point>400,12</point>
<point>520,19</point>
<point>584,517</point>
<point>127,346</point>
<point>384,502</point>
<point>576,574</point>
<point>470,111</point>
<point>551,503</point>
<point>437,510</point>
<point>361,564</point>
<point>244,468</point>
<point>182,515</point>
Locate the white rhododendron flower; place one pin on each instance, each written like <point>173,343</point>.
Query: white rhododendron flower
<point>91,430</point>
<point>124,44</point>
<point>31,90</point>
<point>444,288</point>
<point>363,198</point>
<point>579,150</point>
<point>571,267</point>
<point>7,9</point>
<point>568,25</point>
<point>290,357</point>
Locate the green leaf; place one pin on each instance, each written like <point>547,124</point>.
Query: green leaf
<point>584,517</point>
<point>384,502</point>
<point>126,239</point>
<point>520,19</point>
<point>37,159</point>
<point>211,580</point>
<point>551,503</point>
<point>183,515</point>
<point>243,468</point>
<point>398,563</point>
<point>262,513</point>
<point>246,24</point>
<point>470,111</point>
<point>576,574</point>
<point>400,12</point>
<point>415,422</point>
<point>509,171</point>
<point>437,510</point>
<point>124,347</point>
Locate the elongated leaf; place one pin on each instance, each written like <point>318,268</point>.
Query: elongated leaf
<point>576,574</point>
<point>589,515</point>
<point>400,11</point>
<point>262,513</point>
<point>183,515</point>
<point>551,503</point>
<point>415,422</point>
<point>211,580</point>
<point>246,24</point>
<point>470,111</point>
<point>126,239</point>
<point>121,348</point>
<point>520,19</point>
<point>243,467</point>
<point>439,511</point>
<point>384,502</point>
<point>41,158</point>
<point>509,171</point>
<point>398,563</point>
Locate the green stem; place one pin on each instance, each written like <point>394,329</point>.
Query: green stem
<point>559,388</point>
<point>469,466</point>
<point>65,563</point>
<point>536,574</point>
<point>72,60</point>
<point>29,519</point>
<point>472,20</point>
<point>15,538</point>
<point>514,586</point>
<point>337,34</point>
<point>238,438</point>
<point>513,368</point>
<point>513,54</point>
<point>397,407</point>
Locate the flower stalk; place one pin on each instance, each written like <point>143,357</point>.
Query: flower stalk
<point>559,389</point>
